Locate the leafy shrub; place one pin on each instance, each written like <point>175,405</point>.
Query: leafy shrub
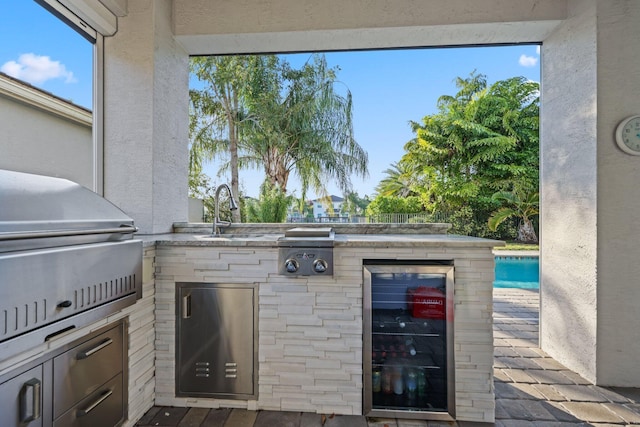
<point>271,207</point>
<point>394,204</point>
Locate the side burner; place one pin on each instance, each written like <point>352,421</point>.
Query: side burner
<point>306,251</point>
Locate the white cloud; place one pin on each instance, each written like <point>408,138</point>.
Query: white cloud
<point>36,69</point>
<point>527,61</point>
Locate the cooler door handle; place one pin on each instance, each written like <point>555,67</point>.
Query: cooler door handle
<point>186,306</point>
<point>30,401</point>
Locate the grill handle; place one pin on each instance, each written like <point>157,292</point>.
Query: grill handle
<point>126,229</point>
<point>97,348</point>
<point>104,396</point>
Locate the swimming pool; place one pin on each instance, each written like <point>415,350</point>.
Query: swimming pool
<point>517,272</point>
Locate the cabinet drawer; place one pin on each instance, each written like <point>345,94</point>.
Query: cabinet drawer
<point>21,400</point>
<point>103,408</point>
<point>82,369</point>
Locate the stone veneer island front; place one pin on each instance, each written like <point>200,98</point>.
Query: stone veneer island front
<point>310,329</point>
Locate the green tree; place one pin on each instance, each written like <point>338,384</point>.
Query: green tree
<point>522,208</point>
<point>484,139</point>
<point>272,205</point>
<point>400,181</point>
<point>394,204</point>
<point>264,114</point>
<point>217,113</point>
<point>354,204</point>
<point>303,126</point>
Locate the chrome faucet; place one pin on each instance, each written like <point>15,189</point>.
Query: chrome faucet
<point>216,215</point>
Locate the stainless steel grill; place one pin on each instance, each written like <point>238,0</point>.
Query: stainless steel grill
<point>67,259</point>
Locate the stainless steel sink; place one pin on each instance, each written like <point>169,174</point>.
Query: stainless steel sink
<point>239,237</point>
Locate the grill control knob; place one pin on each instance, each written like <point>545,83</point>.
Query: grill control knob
<point>320,266</point>
<point>291,265</point>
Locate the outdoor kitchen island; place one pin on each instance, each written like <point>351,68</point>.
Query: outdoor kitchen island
<point>310,338</point>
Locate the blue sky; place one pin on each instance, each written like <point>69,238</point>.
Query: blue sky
<point>40,49</point>
<point>389,87</point>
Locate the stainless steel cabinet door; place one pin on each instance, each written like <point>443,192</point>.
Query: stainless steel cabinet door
<point>215,342</point>
<point>21,400</point>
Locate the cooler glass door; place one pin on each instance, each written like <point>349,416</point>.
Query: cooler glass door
<point>408,341</point>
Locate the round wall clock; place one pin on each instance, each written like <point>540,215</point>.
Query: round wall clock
<point>628,135</point>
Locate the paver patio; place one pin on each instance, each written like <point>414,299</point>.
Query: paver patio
<point>532,389</point>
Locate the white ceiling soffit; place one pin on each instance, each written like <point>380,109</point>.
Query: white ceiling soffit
<point>370,38</point>
<point>118,7</point>
<point>91,13</point>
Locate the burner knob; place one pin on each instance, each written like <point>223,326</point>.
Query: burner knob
<point>320,266</point>
<point>291,265</point>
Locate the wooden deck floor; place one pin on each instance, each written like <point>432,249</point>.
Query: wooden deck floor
<point>532,389</point>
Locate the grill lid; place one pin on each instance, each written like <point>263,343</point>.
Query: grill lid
<point>42,207</point>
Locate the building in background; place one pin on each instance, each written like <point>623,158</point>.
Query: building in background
<point>327,206</point>
<point>44,134</point>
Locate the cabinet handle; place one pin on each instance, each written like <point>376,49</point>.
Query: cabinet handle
<point>26,415</point>
<point>104,396</point>
<point>186,306</point>
<point>87,353</point>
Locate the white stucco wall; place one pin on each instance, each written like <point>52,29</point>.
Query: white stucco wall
<point>618,289</point>
<point>590,217</point>
<point>146,110</point>
<point>568,189</point>
<point>44,135</point>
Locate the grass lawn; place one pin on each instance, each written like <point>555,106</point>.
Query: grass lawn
<point>513,246</point>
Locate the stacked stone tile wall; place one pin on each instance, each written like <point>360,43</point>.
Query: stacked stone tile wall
<point>142,372</point>
<point>310,328</point>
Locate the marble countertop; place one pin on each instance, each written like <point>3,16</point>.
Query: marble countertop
<point>346,240</point>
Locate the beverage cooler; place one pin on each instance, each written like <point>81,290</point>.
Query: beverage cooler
<point>408,340</point>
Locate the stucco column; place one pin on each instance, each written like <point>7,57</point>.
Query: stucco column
<point>618,196</point>
<point>146,118</point>
<point>590,213</point>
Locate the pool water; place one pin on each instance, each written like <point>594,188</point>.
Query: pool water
<point>517,272</point>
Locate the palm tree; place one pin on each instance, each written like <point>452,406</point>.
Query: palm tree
<point>303,126</point>
<point>218,113</point>
<point>522,208</point>
<point>275,118</point>
<point>399,182</point>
